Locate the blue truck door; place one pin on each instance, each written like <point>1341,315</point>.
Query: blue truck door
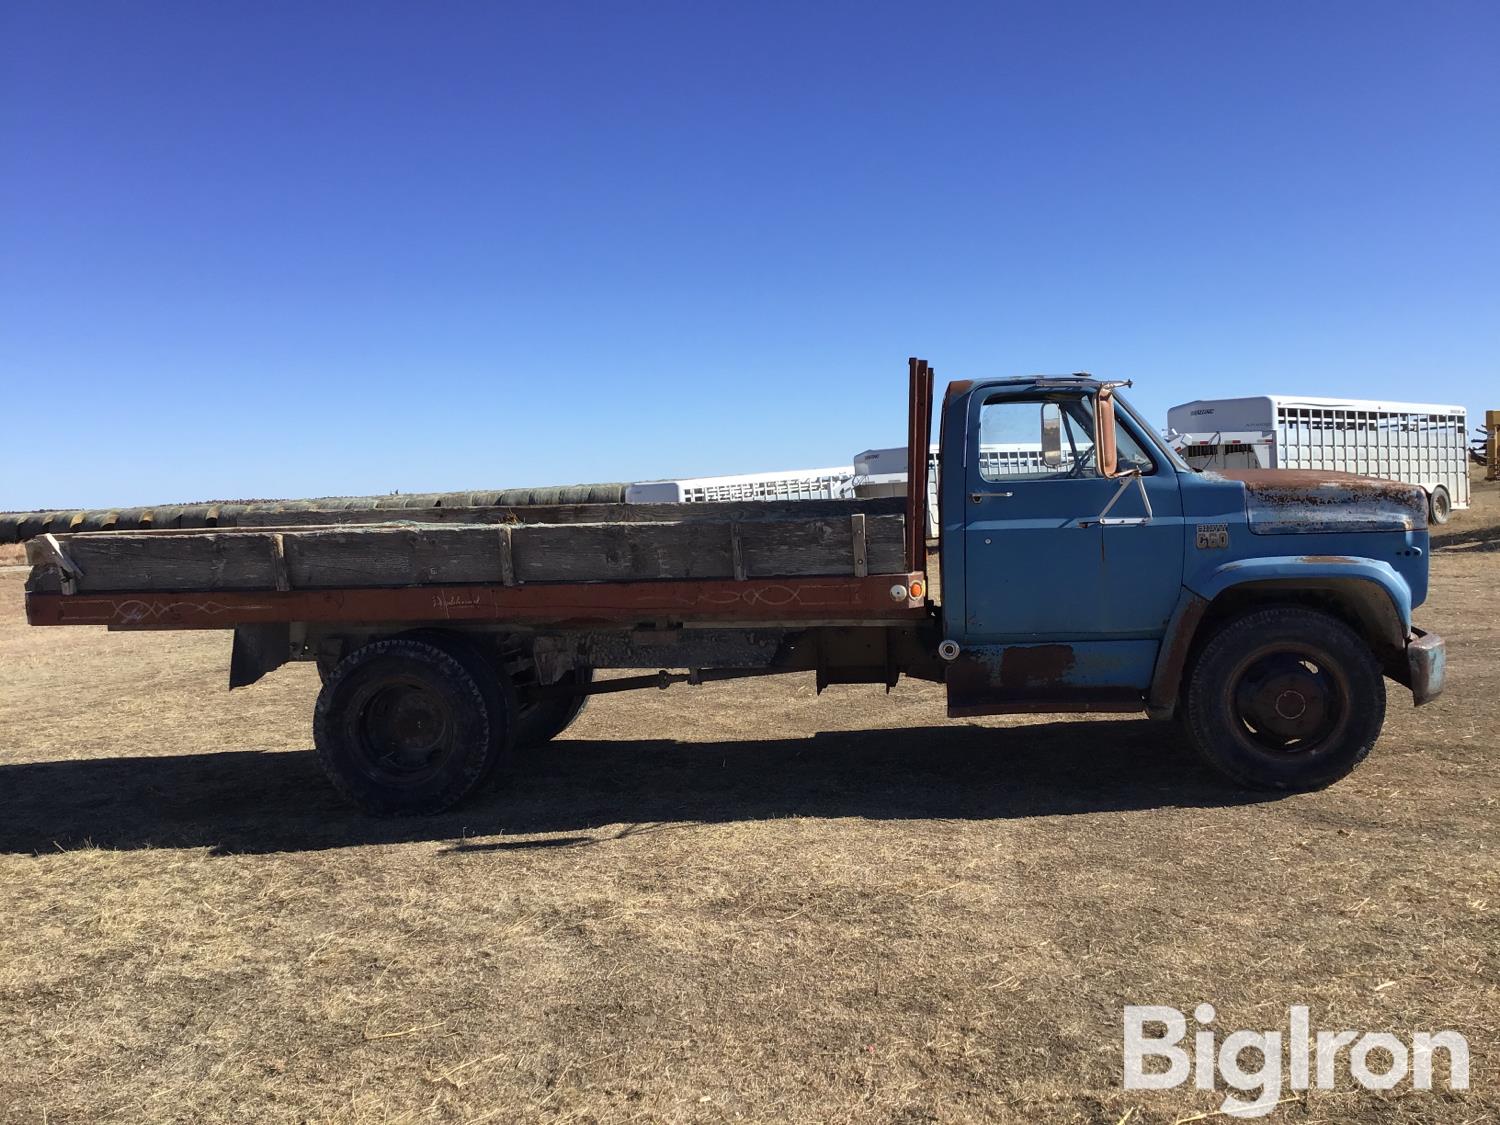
<point>1032,568</point>
<point>1068,577</point>
<point>1143,551</point>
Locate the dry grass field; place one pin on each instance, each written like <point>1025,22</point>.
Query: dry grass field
<point>740,902</point>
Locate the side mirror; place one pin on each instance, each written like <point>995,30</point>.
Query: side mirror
<point>1051,435</point>
<point>1104,436</point>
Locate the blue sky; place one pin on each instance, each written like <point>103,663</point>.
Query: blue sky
<point>288,249</point>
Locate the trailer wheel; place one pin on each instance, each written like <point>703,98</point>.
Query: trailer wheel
<point>544,721</point>
<point>1439,505</point>
<point>1285,698</point>
<point>404,727</point>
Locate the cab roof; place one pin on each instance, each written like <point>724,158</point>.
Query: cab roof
<point>1079,380</point>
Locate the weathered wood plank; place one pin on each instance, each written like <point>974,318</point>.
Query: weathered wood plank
<point>210,561</point>
<point>822,547</point>
<point>617,551</point>
<point>393,556</point>
<point>578,513</point>
<point>442,554</point>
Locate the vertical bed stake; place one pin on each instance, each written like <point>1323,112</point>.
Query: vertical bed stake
<point>737,550</point>
<point>278,563</point>
<point>507,560</point>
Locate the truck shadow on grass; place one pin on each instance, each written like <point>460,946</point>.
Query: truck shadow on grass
<point>239,802</point>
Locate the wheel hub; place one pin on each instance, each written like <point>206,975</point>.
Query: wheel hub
<point>415,725</point>
<point>1291,704</point>
<point>1286,698</point>
<point>405,728</point>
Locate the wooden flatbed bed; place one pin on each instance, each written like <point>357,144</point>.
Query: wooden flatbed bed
<point>783,562</point>
<point>445,637</point>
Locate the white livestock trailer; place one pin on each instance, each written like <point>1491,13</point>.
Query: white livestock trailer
<point>1414,442</point>
<point>790,484</point>
<point>875,472</point>
<point>882,472</point>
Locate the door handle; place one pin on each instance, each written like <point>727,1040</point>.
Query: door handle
<point>978,497</point>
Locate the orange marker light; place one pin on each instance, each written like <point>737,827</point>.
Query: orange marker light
<point>916,589</point>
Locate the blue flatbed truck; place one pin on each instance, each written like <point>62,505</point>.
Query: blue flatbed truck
<point>1083,567</point>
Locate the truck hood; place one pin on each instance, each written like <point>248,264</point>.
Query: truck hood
<point>1307,501</point>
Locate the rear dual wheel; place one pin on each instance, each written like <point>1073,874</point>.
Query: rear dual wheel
<point>547,718</point>
<point>413,724</point>
<point>1285,698</point>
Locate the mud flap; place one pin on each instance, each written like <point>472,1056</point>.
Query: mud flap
<point>258,649</point>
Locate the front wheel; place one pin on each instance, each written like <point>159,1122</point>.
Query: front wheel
<point>1285,698</point>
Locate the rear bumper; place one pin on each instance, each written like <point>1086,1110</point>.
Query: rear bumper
<point>1426,661</point>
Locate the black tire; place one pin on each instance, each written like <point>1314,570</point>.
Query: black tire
<point>544,721</point>
<point>1439,505</point>
<point>1285,698</point>
<point>326,665</point>
<point>403,727</point>
<point>483,663</point>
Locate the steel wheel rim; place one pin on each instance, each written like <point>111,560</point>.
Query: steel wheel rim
<point>403,731</point>
<point>1288,699</point>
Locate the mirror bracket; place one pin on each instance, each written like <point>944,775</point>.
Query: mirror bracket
<point>1103,519</point>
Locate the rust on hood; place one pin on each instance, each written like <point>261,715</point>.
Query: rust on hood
<point>1292,501</point>
<point>1272,480</point>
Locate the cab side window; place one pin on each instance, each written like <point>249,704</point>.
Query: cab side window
<point>1011,444</point>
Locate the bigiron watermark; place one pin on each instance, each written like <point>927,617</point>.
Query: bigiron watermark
<point>1376,1060</point>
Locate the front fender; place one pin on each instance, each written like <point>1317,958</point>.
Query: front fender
<point>1374,590</point>
<point>1317,572</point>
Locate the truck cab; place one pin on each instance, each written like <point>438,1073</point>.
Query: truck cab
<point>1085,567</point>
